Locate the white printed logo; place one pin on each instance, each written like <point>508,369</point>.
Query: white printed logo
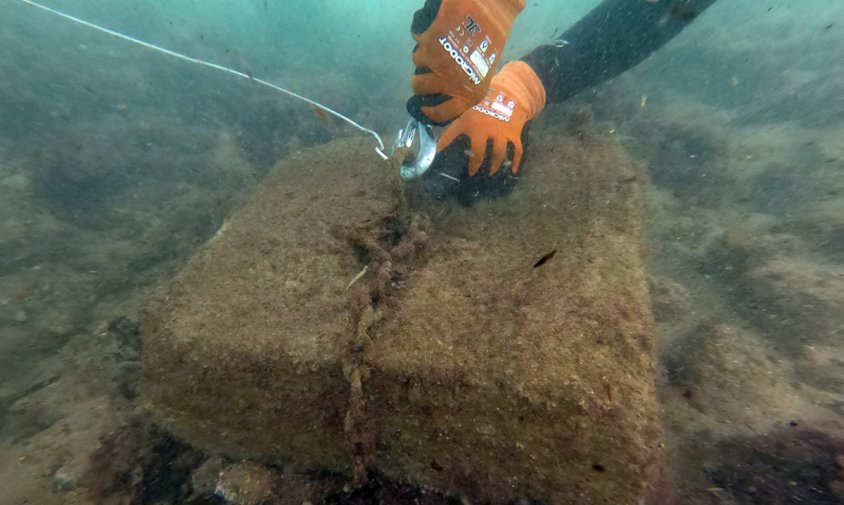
<point>490,113</point>
<point>455,55</point>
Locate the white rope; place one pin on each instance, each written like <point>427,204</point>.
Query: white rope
<point>379,149</point>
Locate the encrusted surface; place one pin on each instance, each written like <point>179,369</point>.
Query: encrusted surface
<point>453,362</point>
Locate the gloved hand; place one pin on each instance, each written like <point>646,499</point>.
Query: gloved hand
<point>459,43</point>
<point>491,132</point>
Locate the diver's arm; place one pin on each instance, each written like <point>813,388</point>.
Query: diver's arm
<point>613,37</point>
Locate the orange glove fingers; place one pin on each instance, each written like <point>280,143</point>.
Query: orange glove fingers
<point>515,96</point>
<point>518,152</point>
<point>477,153</point>
<point>456,130</point>
<point>499,155</point>
<point>460,42</point>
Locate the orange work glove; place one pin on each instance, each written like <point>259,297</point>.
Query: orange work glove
<point>459,43</point>
<point>494,127</point>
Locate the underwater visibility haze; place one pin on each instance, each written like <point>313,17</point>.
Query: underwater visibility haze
<point>212,292</point>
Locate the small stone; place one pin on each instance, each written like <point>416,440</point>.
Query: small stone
<point>21,317</point>
<point>204,478</point>
<point>63,480</point>
<point>247,483</point>
<point>839,461</point>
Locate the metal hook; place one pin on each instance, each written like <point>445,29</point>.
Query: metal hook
<point>420,161</point>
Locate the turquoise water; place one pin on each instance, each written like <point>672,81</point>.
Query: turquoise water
<point>117,163</point>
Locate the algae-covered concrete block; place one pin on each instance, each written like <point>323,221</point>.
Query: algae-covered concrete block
<point>498,352</point>
<point>243,351</point>
<point>498,378</point>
